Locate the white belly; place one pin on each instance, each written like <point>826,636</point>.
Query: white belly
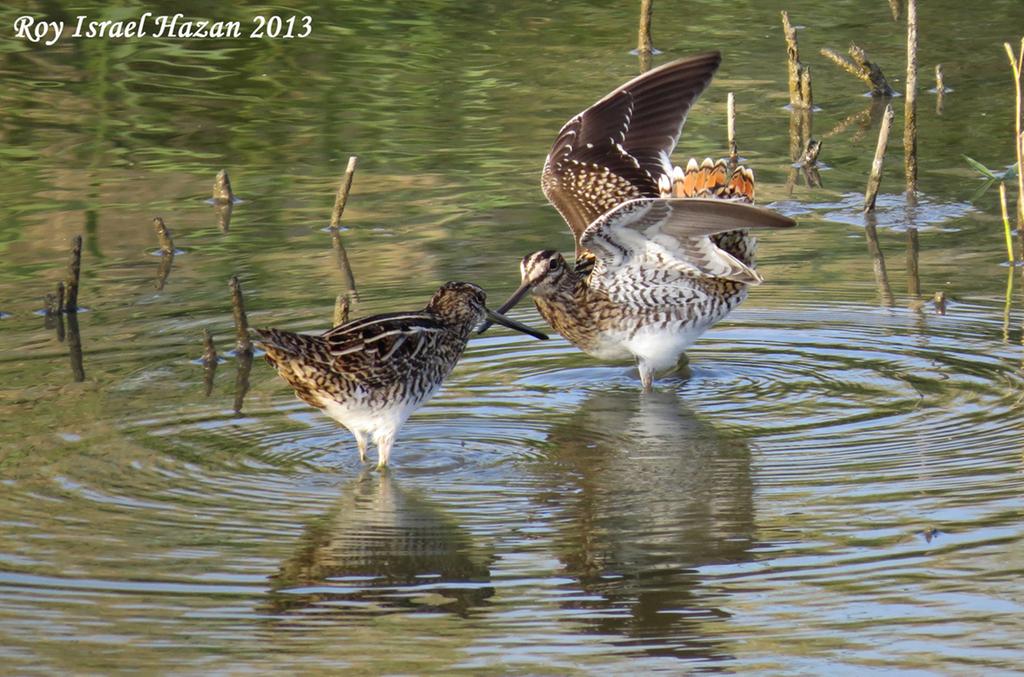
<point>359,416</point>
<point>658,347</point>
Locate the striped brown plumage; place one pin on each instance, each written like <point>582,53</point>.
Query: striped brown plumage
<point>662,252</point>
<point>371,374</point>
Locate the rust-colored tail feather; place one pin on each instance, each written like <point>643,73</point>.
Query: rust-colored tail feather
<point>710,180</point>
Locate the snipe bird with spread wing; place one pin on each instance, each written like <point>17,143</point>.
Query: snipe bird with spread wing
<point>662,252</point>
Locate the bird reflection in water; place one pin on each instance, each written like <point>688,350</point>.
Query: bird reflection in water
<point>645,493</point>
<point>383,549</point>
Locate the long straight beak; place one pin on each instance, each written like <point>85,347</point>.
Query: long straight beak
<point>493,317</point>
<point>516,297</point>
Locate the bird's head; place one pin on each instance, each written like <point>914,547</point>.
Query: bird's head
<point>464,304</point>
<point>541,273</point>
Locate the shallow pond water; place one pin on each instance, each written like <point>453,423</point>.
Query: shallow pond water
<point>832,483</point>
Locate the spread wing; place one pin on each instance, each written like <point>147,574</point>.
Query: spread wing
<point>618,149</point>
<point>673,234</point>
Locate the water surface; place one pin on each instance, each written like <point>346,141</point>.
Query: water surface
<point>831,485</point>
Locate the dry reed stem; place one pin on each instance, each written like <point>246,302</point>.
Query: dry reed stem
<point>910,107</point>
<point>876,78</point>
<point>643,41</point>
<point>1017,67</point>
<point>875,179</point>
<point>73,276</point>
<point>342,197</point>
<point>799,75</point>
<point>862,68</point>
<point>222,187</point>
<point>209,349</point>
<point>730,119</point>
<point>894,7</point>
<point>1006,223</point>
<point>341,309</point>
<point>811,152</point>
<point>163,234</point>
<point>209,362</point>
<point>805,87</point>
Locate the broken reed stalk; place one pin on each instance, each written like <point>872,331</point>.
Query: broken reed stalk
<point>341,309</point>
<point>1017,67</point>
<point>222,187</point>
<point>863,68</point>
<point>799,75</point>
<point>74,273</point>
<point>1006,223</point>
<point>811,152</point>
<point>209,362</point>
<point>910,107</point>
<point>342,197</point>
<point>940,88</point>
<point>241,321</point>
<point>643,40</point>
<point>879,161</point>
<point>209,349</point>
<point>730,120</point>
<point>805,87</point>
<point>163,234</point>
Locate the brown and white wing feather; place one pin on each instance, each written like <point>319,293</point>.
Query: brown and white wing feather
<point>391,339</point>
<point>674,233</point>
<point>618,149</point>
